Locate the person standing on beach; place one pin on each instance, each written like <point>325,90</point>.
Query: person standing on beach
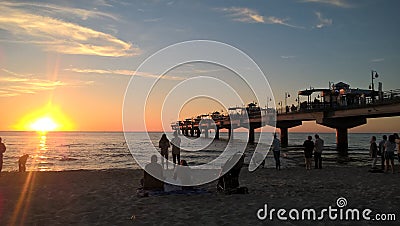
<point>373,151</point>
<point>164,144</point>
<point>176,150</point>
<point>2,150</point>
<point>308,151</point>
<point>381,151</point>
<point>276,149</point>
<point>318,147</point>
<point>390,147</point>
<point>397,141</point>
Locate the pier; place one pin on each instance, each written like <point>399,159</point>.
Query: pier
<point>338,107</point>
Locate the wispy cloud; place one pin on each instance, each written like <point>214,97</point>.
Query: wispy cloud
<point>122,72</point>
<point>244,15</point>
<point>51,9</point>
<point>337,3</point>
<point>376,60</point>
<point>288,57</point>
<point>15,84</point>
<point>247,15</point>
<point>60,36</point>
<point>323,22</point>
<point>152,20</point>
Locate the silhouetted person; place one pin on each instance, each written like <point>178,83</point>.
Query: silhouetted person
<point>229,181</point>
<point>308,151</point>
<point>381,150</point>
<point>22,163</point>
<point>287,109</point>
<point>293,108</point>
<point>318,148</point>
<point>397,141</point>
<point>182,173</point>
<point>2,150</point>
<point>373,151</point>
<point>163,144</point>
<point>276,149</point>
<point>176,149</point>
<point>390,148</point>
<point>153,173</point>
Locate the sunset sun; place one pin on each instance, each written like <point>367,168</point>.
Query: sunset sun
<point>44,124</point>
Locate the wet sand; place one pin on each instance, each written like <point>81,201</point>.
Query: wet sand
<point>109,197</point>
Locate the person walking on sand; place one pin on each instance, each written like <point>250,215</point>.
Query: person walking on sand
<point>373,151</point>
<point>308,151</point>
<point>318,147</point>
<point>276,149</point>
<point>2,150</point>
<point>176,149</point>
<point>381,151</point>
<point>390,147</point>
<point>164,144</point>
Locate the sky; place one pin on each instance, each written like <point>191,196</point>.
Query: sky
<point>72,61</point>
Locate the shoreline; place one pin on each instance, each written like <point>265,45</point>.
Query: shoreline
<point>108,197</point>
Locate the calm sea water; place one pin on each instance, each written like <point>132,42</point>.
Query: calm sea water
<point>58,151</point>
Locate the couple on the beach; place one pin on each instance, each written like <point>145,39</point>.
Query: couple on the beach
<point>386,149</point>
<point>316,147</point>
<point>164,145</point>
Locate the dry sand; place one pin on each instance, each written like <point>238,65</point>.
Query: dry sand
<point>109,197</point>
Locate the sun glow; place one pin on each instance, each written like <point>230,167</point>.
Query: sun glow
<point>44,124</point>
<point>49,118</point>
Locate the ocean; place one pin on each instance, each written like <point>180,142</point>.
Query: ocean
<point>60,151</point>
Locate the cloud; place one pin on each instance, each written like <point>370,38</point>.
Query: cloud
<point>60,36</point>
<point>288,57</point>
<point>323,22</point>
<point>246,15</point>
<point>122,72</point>
<point>57,10</point>
<point>152,20</point>
<point>337,3</point>
<point>377,60</point>
<point>14,84</point>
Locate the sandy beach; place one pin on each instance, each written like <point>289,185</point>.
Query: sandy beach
<point>109,197</point>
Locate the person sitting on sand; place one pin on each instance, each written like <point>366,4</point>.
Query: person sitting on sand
<point>308,151</point>
<point>2,150</point>
<point>276,149</point>
<point>164,144</point>
<point>373,151</point>
<point>381,151</point>
<point>22,163</point>
<point>318,147</point>
<point>390,147</point>
<point>153,174</point>
<point>183,175</point>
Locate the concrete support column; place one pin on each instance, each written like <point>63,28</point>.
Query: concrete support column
<point>217,133</point>
<point>341,141</point>
<point>206,133</point>
<point>284,137</point>
<point>230,133</point>
<point>251,135</point>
